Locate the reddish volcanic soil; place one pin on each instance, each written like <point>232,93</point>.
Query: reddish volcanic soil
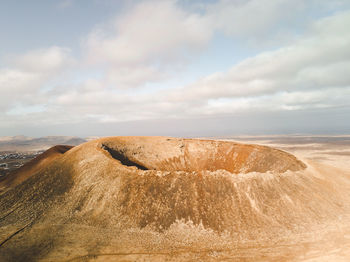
<point>169,199</point>
<point>191,155</point>
<point>32,167</point>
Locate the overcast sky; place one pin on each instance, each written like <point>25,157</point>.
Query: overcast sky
<point>181,68</point>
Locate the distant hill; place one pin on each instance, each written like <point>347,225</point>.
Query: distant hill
<point>23,143</point>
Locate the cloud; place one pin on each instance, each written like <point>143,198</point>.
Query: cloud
<point>308,74</point>
<point>134,76</point>
<point>252,17</point>
<point>136,48</point>
<point>152,31</point>
<point>65,4</point>
<point>47,60</point>
<point>269,23</point>
<point>26,75</point>
<point>318,60</point>
<point>146,42</point>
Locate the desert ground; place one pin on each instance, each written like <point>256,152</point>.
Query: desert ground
<point>244,198</point>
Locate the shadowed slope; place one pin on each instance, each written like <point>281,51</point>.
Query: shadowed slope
<point>150,198</point>
<point>18,176</point>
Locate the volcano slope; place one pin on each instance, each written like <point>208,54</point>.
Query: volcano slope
<point>32,167</point>
<point>159,198</point>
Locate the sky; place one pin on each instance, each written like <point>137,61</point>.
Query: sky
<point>176,68</point>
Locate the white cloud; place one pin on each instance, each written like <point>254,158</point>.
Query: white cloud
<point>47,60</point>
<point>26,75</point>
<point>133,76</point>
<point>310,73</point>
<point>268,23</point>
<point>149,39</point>
<point>147,42</point>
<point>152,31</point>
<point>65,4</point>
<point>252,17</point>
<point>319,60</point>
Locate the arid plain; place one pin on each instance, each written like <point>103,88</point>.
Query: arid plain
<point>271,198</point>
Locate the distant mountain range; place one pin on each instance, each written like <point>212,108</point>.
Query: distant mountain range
<point>24,143</point>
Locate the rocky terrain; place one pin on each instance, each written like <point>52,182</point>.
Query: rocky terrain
<point>168,199</point>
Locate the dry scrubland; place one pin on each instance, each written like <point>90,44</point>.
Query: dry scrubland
<point>167,199</point>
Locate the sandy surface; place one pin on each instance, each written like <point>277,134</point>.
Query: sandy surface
<point>148,201</point>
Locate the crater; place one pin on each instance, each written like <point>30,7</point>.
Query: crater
<point>122,158</point>
<point>194,155</point>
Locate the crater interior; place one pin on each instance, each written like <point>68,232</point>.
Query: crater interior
<point>195,155</point>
